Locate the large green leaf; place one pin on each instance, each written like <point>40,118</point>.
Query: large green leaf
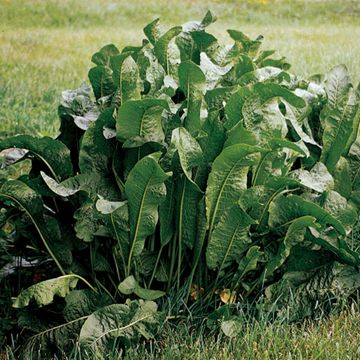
<point>152,73</point>
<point>340,208</point>
<point>244,43</point>
<point>255,201</point>
<point>286,208</point>
<point>318,178</point>
<point>101,81</point>
<point>53,153</point>
<point>342,178</point>
<point>28,200</point>
<point>354,162</point>
<point>131,321</point>
<point>145,189</point>
<point>185,40</point>
<point>277,160</point>
<point>131,286</point>
<point>118,216</point>
<point>337,115</point>
<point>43,293</point>
<point>262,92</point>
<point>294,235</point>
<point>188,150</point>
<point>356,124</point>
<point>297,118</point>
<point>192,83</point>
<point>79,305</point>
<point>227,178</point>
<point>330,240</point>
<point>140,121</point>
<point>93,184</point>
<point>188,196</point>
<point>211,144</point>
<point>103,56</point>
<point>152,31</point>
<point>214,74</point>
<point>161,47</point>
<point>300,294</point>
<point>247,263</point>
<point>126,78</point>
<point>229,239</point>
<point>96,151</point>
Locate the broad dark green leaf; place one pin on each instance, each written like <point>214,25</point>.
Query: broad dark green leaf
<point>140,121</point>
<point>342,178</point>
<point>131,286</point>
<point>247,45</point>
<point>340,208</point>
<point>28,200</point>
<point>152,31</point>
<point>286,208</point>
<point>43,292</point>
<point>103,56</point>
<point>263,92</point>
<point>294,235</point>
<point>227,178</point>
<point>188,150</point>
<point>300,294</point>
<point>145,190</point>
<point>132,320</point>
<point>338,115</point>
<point>153,74</point>
<point>101,81</point>
<point>318,178</point>
<point>188,196</point>
<point>161,47</point>
<point>229,239</point>
<point>192,83</point>
<point>52,153</point>
<point>127,79</point>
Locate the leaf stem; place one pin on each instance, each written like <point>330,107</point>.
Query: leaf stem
<point>155,266</point>
<point>39,232</point>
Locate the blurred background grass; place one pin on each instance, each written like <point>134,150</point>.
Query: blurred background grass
<point>46,45</point>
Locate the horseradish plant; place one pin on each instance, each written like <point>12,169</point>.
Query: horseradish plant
<point>200,174</point>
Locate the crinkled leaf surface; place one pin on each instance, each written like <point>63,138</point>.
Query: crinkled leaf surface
<point>145,190</point>
<point>192,83</point>
<point>101,81</point>
<point>318,178</point>
<point>188,149</point>
<point>286,208</point>
<point>53,153</point>
<point>337,115</point>
<point>132,320</point>
<point>299,293</point>
<point>227,178</point>
<point>43,293</point>
<point>130,286</point>
<point>229,239</point>
<point>140,121</point>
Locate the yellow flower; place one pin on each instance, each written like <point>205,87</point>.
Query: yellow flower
<point>228,296</point>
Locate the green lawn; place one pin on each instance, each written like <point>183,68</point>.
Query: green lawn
<point>46,46</point>
<point>335,338</point>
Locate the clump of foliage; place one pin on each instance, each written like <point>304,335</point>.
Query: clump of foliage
<point>201,174</point>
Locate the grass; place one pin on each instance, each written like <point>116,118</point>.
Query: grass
<point>336,337</point>
<point>46,46</point>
